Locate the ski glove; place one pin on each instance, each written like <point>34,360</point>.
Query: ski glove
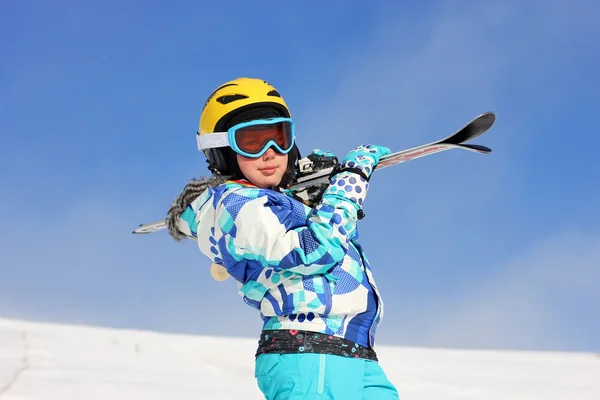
<point>351,183</point>
<point>363,159</point>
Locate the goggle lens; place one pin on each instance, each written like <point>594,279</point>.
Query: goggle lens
<point>253,139</point>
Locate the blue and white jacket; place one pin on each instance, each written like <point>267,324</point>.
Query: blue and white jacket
<point>302,268</point>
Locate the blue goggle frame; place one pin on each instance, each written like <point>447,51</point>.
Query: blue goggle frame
<point>224,139</point>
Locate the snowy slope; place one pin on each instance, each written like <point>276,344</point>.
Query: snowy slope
<point>45,361</point>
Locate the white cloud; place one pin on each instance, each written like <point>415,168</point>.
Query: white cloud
<point>86,267</point>
<point>533,301</point>
<point>411,80</point>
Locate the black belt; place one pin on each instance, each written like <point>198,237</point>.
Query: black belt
<point>294,342</point>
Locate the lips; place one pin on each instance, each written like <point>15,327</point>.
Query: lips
<point>268,170</point>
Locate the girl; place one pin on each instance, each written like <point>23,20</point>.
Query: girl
<point>302,268</point>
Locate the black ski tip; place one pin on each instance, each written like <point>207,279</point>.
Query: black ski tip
<point>488,114</point>
<point>477,127</point>
<point>479,148</point>
<point>489,117</point>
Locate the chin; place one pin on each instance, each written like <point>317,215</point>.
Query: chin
<point>266,181</point>
<point>270,181</point>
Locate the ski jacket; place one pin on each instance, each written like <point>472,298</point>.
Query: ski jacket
<point>301,267</point>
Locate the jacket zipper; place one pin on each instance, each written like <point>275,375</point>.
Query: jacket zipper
<point>321,383</point>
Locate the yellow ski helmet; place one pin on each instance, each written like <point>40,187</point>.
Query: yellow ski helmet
<point>233,102</point>
<point>235,96</point>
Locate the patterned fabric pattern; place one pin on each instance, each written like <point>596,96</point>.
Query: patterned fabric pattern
<point>294,341</point>
<point>300,267</point>
<point>364,158</point>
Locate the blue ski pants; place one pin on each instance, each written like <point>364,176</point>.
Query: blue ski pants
<point>321,376</point>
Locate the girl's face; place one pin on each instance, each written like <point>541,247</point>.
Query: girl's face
<point>266,170</point>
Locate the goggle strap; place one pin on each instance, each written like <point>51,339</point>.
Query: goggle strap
<point>212,140</point>
<point>221,139</point>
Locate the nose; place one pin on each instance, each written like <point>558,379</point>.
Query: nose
<point>269,154</point>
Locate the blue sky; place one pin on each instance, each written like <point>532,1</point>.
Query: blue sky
<point>100,101</point>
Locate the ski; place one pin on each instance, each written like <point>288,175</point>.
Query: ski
<point>314,173</point>
<point>473,129</point>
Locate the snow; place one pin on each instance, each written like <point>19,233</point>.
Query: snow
<point>51,361</point>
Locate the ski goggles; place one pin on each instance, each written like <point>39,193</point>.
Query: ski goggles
<point>253,138</point>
